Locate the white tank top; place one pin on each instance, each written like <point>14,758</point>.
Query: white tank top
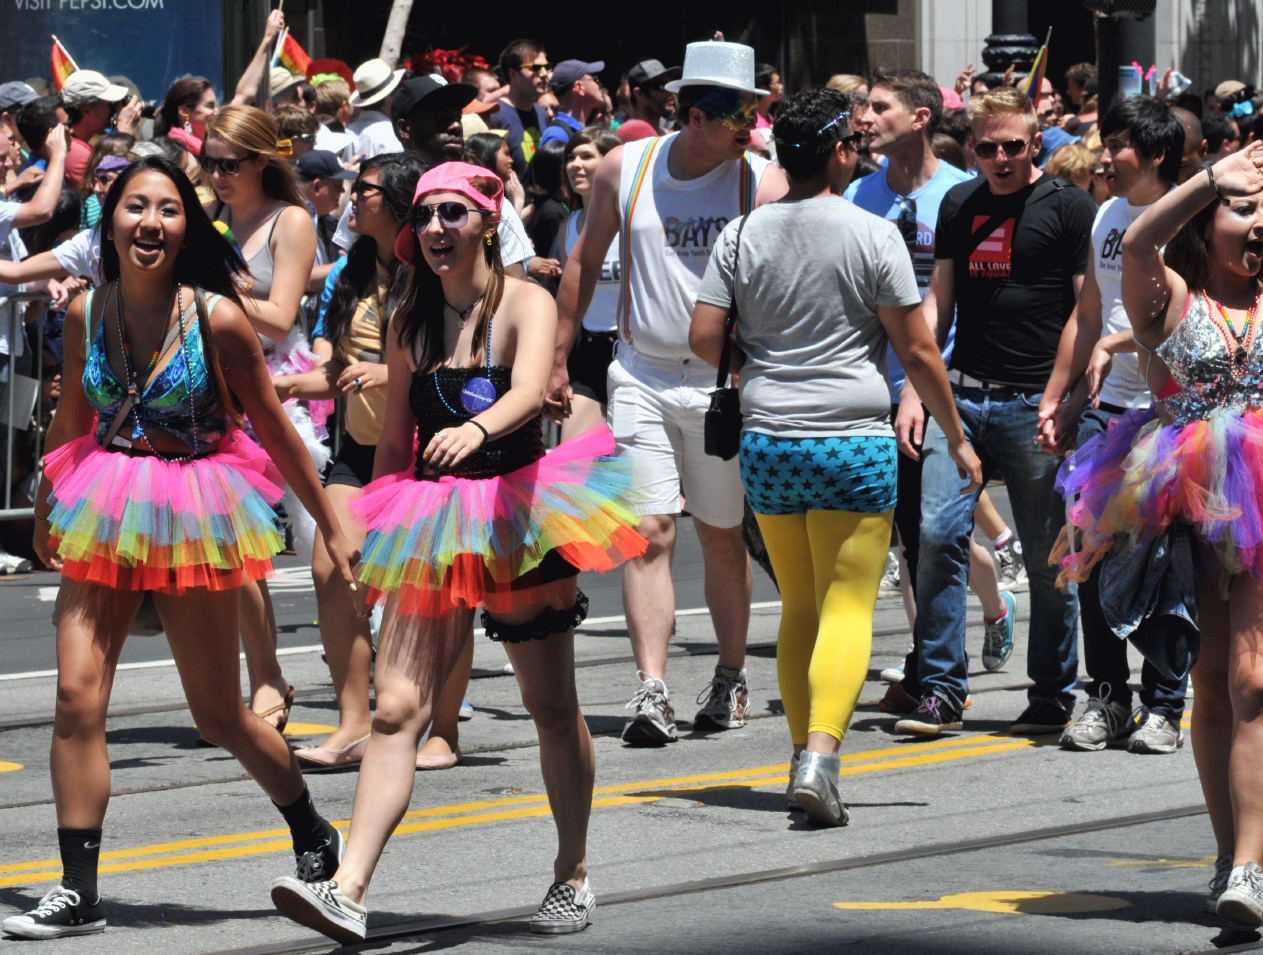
<point>669,227</point>
<point>1125,387</point>
<point>602,314</point>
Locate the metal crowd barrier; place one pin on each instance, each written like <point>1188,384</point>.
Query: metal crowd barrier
<point>17,403</point>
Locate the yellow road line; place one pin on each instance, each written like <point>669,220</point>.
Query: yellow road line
<point>534,805</point>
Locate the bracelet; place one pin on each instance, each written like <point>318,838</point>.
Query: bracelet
<point>485,435</point>
<point>1210,174</point>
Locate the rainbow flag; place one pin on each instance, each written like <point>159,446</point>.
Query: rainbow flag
<point>63,63</point>
<point>1035,78</point>
<point>290,55</point>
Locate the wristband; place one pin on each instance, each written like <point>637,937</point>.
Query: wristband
<point>1210,174</point>
<point>485,436</point>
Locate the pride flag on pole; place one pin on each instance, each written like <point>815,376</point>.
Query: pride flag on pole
<point>1035,78</point>
<point>63,63</point>
<point>290,55</point>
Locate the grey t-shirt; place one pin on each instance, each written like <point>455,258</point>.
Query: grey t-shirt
<point>810,277</point>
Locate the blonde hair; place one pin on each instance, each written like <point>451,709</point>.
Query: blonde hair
<point>845,82</point>
<point>1002,100</point>
<point>330,95</point>
<point>254,131</point>
<point>1072,162</point>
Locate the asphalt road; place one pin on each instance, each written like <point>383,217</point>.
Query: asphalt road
<point>974,843</point>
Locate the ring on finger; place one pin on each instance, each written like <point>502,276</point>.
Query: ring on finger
<point>359,383</point>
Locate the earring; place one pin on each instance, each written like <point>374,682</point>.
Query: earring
<point>488,240</point>
<point>188,126</point>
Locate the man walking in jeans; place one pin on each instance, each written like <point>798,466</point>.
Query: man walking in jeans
<point>1143,142</point>
<point>1011,250</point>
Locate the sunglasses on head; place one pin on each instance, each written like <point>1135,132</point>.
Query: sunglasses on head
<point>1012,148</point>
<point>452,214</point>
<point>227,167</point>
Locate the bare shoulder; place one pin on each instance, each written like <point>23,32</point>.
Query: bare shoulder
<point>294,220</point>
<point>520,296</point>
<point>611,167</point>
<point>230,327</point>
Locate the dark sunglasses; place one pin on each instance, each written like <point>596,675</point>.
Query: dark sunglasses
<point>360,189</point>
<point>304,137</point>
<point>907,223</point>
<point>226,167</point>
<point>535,67</point>
<point>1012,148</point>
<point>454,215</point>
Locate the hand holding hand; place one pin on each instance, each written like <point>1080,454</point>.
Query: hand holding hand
<point>557,396</point>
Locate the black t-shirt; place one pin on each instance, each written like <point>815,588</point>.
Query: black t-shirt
<point>1015,289</point>
<point>547,220</point>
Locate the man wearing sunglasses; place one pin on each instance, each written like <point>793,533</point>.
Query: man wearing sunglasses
<point>524,63</point>
<point>1011,250</point>
<point>670,198</point>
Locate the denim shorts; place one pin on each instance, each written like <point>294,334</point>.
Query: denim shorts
<point>794,475</point>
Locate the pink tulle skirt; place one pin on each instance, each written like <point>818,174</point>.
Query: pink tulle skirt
<point>1128,484</point>
<point>468,542</point>
<point>137,522</point>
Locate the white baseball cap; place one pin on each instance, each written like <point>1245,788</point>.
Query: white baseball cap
<point>83,86</point>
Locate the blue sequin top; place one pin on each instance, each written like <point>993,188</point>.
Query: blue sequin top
<point>1211,373</point>
<point>165,405</point>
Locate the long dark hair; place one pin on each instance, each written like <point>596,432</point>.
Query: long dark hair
<point>398,177</point>
<point>185,92</point>
<point>545,173</point>
<point>419,316</point>
<point>481,149</point>
<point>1188,254</point>
<point>207,262</point>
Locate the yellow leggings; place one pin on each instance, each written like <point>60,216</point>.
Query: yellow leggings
<point>829,566</point>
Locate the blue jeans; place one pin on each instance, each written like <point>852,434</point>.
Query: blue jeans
<point>1001,426</point>
<point>1104,654</point>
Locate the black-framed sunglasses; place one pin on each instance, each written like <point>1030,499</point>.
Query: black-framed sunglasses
<point>304,138</point>
<point>452,214</point>
<point>907,223</point>
<point>227,167</point>
<point>535,67</point>
<point>1012,148</point>
<point>361,189</point>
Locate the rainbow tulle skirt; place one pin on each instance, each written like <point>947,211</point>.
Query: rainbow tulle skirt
<point>137,522</point>
<point>454,542</point>
<point>1129,484</point>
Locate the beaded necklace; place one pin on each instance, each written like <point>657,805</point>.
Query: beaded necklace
<point>478,398</point>
<point>136,391</point>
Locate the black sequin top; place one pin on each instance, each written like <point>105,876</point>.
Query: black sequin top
<point>433,413</point>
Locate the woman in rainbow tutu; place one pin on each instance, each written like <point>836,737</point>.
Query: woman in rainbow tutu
<point>1196,458</point>
<point>467,510</point>
<point>151,486</point>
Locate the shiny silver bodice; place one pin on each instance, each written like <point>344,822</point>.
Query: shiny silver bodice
<point>1201,364</point>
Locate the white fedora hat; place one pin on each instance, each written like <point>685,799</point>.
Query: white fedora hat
<point>711,63</point>
<point>374,81</point>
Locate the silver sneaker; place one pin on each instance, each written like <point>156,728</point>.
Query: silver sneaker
<point>815,789</point>
<point>564,910</point>
<point>1102,723</point>
<point>1012,565</point>
<point>1154,733</point>
<point>1242,899</point>
<point>1219,882</point>
<point>727,699</point>
<point>654,722</point>
<point>890,583</point>
<point>321,906</point>
<point>790,802</point>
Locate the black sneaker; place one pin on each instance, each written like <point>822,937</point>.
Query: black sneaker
<point>319,866</point>
<point>60,913</point>
<point>1039,718</point>
<point>564,910</point>
<point>931,717</point>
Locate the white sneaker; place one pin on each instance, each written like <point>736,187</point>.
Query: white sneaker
<point>1102,723</point>
<point>654,722</point>
<point>322,906</point>
<point>564,910</point>
<point>727,700</point>
<point>10,564</point>
<point>1154,734</point>
<point>1242,901</point>
<point>1012,573</point>
<point>1219,881</point>
<point>890,578</point>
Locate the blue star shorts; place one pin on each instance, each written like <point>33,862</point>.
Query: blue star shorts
<point>796,475</point>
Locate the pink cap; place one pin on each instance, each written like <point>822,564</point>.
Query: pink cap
<point>635,129</point>
<point>449,177</point>
<point>951,99</point>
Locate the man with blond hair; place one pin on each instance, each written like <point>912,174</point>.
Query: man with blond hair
<point>1011,249</point>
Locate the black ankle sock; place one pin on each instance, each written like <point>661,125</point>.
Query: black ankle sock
<point>80,850</point>
<point>305,824</point>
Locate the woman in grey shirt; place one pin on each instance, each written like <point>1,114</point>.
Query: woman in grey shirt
<point>820,287</point>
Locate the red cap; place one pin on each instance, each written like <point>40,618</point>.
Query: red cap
<point>635,129</point>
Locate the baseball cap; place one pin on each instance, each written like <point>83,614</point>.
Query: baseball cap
<point>634,129</point>
<point>83,86</point>
<point>320,164</point>
<point>652,73</point>
<point>281,80</point>
<point>16,94</point>
<point>1230,90</point>
<point>430,92</point>
<point>568,72</point>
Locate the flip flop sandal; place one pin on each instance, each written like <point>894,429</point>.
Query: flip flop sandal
<point>283,709</point>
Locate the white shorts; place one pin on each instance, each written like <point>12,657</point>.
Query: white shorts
<point>657,412</point>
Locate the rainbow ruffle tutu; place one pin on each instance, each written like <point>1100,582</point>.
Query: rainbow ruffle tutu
<point>1141,475</point>
<point>137,522</point>
<point>463,541</point>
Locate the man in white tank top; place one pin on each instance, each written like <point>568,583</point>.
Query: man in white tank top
<point>667,199</point>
